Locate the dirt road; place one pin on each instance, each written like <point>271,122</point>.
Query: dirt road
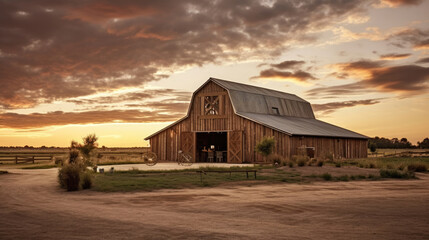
<point>33,207</point>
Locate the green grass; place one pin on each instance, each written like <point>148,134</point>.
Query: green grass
<point>388,162</point>
<point>41,166</point>
<point>134,180</point>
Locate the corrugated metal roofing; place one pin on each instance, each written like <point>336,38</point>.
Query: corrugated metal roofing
<point>246,98</point>
<point>255,90</point>
<point>300,126</point>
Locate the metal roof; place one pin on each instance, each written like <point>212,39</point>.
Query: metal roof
<point>228,85</point>
<point>300,126</point>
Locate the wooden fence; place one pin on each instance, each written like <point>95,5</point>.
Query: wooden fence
<point>26,159</point>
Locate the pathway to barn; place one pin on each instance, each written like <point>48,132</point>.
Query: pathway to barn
<point>33,207</point>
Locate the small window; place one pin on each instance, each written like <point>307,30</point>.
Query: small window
<point>211,105</point>
<point>276,111</point>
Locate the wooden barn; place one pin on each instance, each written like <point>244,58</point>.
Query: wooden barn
<point>225,121</point>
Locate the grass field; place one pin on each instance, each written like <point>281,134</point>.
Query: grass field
<point>135,180</point>
<point>388,162</point>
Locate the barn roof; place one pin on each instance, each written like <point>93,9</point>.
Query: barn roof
<point>295,116</point>
<point>246,98</point>
<point>300,126</point>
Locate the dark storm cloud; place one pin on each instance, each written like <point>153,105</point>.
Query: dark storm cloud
<point>416,38</point>
<point>423,60</point>
<point>291,64</point>
<point>402,2</point>
<point>52,50</point>
<point>331,107</point>
<point>299,75</point>
<point>39,120</point>
<point>174,95</point>
<point>375,76</point>
<point>394,56</point>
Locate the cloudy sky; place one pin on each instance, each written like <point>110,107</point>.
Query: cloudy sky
<point>124,69</point>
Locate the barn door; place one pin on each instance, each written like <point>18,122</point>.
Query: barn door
<point>235,147</point>
<point>187,141</point>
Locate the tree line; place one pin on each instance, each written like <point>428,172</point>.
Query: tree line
<point>396,143</point>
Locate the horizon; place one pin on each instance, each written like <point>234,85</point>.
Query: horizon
<point>124,70</point>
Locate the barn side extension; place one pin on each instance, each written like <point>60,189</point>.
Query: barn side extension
<point>226,120</point>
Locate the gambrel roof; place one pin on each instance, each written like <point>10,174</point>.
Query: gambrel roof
<point>293,115</point>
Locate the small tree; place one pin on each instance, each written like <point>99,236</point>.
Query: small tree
<point>373,147</point>
<point>88,147</point>
<point>266,146</point>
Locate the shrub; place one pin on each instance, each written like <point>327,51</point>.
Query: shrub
<point>371,165</point>
<point>265,146</point>
<point>361,176</point>
<point>290,164</point>
<point>393,173</point>
<point>73,156</point>
<point>361,165</point>
<point>337,164</point>
<point>373,147</point>
<point>343,178</point>
<point>401,167</point>
<point>417,167</point>
<point>69,177</point>
<point>327,176</point>
<point>320,163</point>
<point>300,160</point>
<point>86,180</point>
<point>329,157</point>
<point>276,159</point>
<point>59,161</point>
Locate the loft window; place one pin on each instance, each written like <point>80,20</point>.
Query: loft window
<point>211,105</point>
<point>276,111</point>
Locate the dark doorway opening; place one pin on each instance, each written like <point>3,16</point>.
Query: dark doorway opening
<point>211,147</point>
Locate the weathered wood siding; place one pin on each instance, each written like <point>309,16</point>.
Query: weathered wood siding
<point>340,147</point>
<point>167,143</point>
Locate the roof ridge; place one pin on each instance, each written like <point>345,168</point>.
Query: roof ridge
<point>247,85</point>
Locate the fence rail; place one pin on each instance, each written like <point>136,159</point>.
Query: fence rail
<point>25,159</point>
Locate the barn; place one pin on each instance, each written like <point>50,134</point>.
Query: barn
<point>225,121</point>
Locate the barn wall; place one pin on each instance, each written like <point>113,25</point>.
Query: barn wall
<point>340,147</point>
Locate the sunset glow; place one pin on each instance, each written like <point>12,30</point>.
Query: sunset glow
<point>125,69</point>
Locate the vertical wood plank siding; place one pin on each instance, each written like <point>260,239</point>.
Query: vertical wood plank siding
<point>167,143</point>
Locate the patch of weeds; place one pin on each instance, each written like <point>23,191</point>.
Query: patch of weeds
<point>327,176</point>
<point>3,172</point>
<point>320,163</point>
<point>361,165</point>
<point>417,167</point>
<point>86,180</point>
<point>393,173</point>
<point>344,178</point>
<point>290,164</point>
<point>338,164</point>
<point>361,176</point>
<point>352,177</point>
<point>371,165</point>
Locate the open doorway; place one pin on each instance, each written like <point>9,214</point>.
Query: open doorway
<point>211,147</point>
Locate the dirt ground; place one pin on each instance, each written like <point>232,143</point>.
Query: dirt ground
<point>33,207</point>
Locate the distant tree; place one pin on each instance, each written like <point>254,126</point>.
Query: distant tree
<point>424,143</point>
<point>373,147</point>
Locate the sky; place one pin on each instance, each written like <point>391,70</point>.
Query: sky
<point>125,69</point>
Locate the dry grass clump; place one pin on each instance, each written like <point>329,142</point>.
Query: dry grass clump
<point>276,159</point>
